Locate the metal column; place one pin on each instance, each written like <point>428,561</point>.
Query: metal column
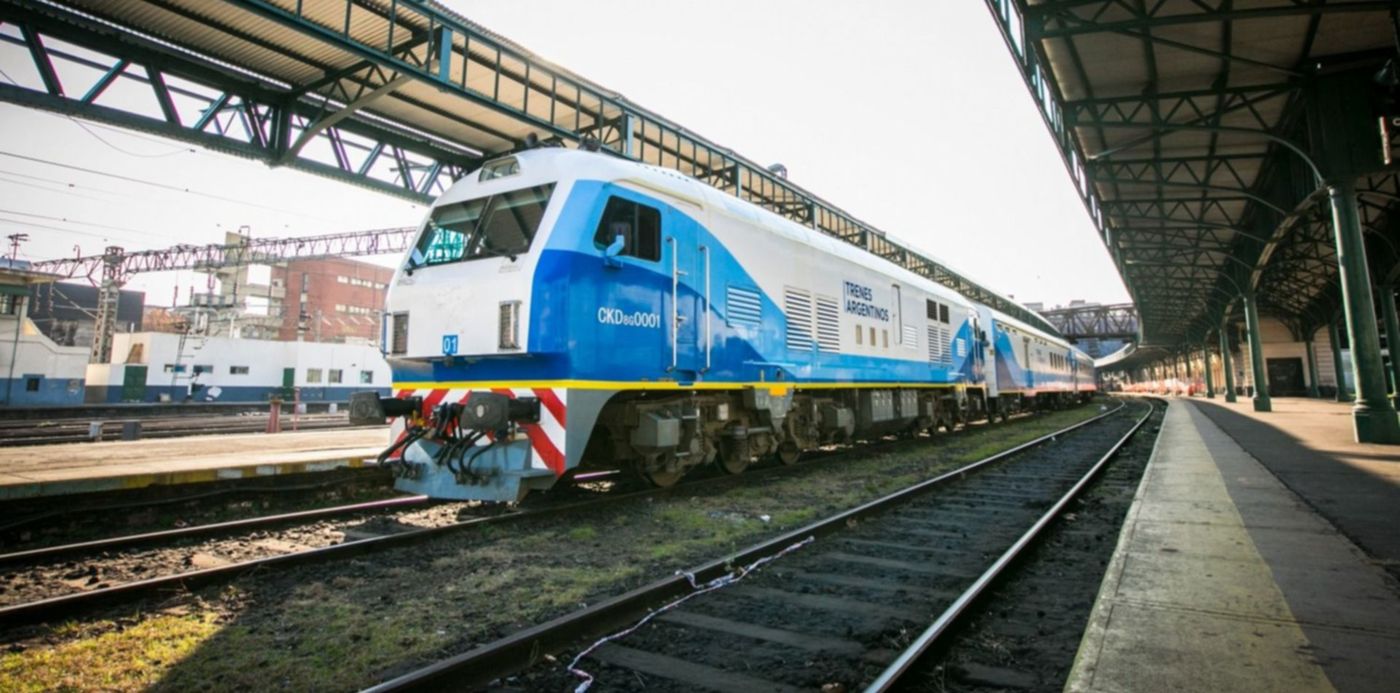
<point>1190,382</point>
<point>1227,365</point>
<point>1312,369</point>
<point>1259,376</point>
<point>1392,335</point>
<point>1334,336</point>
<point>1210,377</point>
<point>108,297</point>
<point>1373,416</point>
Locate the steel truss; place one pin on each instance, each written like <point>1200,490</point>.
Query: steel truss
<point>116,263</point>
<point>424,97</point>
<point>114,267</point>
<point>1117,321</point>
<point>1200,194</point>
<point>214,106</point>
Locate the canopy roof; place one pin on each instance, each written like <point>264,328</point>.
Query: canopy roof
<point>1183,124</point>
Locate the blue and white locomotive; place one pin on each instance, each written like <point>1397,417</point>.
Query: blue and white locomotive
<point>564,310</point>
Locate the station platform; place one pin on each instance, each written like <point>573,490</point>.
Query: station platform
<point>58,470</point>
<point>1224,578</point>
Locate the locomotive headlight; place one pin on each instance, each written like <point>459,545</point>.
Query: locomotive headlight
<point>369,409</point>
<point>510,326</point>
<point>492,411</point>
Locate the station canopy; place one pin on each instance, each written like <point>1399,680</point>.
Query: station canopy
<point>1183,124</point>
<point>401,96</point>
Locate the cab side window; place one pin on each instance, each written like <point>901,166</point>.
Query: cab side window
<point>639,226</point>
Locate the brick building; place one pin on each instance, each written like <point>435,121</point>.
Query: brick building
<point>327,300</point>
<point>332,300</point>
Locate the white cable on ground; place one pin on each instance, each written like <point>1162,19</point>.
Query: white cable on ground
<point>722,581</point>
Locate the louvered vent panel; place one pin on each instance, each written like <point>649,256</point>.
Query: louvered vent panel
<point>797,305</point>
<point>743,307</point>
<point>938,351</point>
<point>828,325</point>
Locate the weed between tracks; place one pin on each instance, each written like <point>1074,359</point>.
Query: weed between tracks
<point>345,625</point>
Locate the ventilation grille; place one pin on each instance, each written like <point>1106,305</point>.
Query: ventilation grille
<point>828,325</point>
<point>938,345</point>
<point>911,337</point>
<point>743,307</point>
<point>398,343</point>
<point>510,326</point>
<point>797,305</point>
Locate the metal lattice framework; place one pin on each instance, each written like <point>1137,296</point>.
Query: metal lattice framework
<point>120,264</point>
<point>1117,321</point>
<point>1189,130</point>
<point>402,96</point>
<point>114,267</point>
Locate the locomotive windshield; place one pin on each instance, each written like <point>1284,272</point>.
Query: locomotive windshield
<point>500,225</point>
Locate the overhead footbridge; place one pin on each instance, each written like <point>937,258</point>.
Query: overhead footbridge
<point>1237,160</point>
<point>399,96</point>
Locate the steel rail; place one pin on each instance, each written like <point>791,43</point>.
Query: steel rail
<point>133,540</point>
<point>242,486</point>
<point>54,607</point>
<point>890,677</point>
<point>523,649</point>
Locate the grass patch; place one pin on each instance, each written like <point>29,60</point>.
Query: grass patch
<point>347,625</point>
<point>108,658</point>
<point>583,533</point>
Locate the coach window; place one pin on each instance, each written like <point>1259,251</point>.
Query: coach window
<point>639,226</point>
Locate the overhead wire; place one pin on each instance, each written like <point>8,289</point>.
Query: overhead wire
<point>163,186</point>
<point>93,224</point>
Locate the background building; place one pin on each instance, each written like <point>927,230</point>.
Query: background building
<point>67,311</point>
<point>327,300</point>
<point>158,366</point>
<point>34,370</point>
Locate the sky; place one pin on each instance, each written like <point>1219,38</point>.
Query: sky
<point>911,116</point>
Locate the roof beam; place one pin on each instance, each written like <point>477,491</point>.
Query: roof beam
<point>1071,25</point>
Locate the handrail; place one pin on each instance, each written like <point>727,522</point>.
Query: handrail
<point>675,294</point>
<point>709,330</point>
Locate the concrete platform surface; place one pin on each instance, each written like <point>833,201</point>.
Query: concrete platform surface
<point>1225,580</point>
<point>48,470</point>
<point>1308,444</point>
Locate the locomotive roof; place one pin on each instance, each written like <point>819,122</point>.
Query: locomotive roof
<point>676,184</point>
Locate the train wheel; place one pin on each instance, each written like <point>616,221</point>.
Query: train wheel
<point>660,471</point>
<point>732,463</point>
<point>788,452</point>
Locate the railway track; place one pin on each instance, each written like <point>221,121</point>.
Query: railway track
<point>86,594</point>
<point>850,600</point>
<point>15,433</point>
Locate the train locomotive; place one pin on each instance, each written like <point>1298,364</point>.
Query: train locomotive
<point>564,310</point>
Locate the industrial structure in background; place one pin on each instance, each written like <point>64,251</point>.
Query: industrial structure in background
<point>1096,328</point>
<point>241,340</point>
<point>327,299</point>
<point>67,312</point>
<point>230,261</point>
